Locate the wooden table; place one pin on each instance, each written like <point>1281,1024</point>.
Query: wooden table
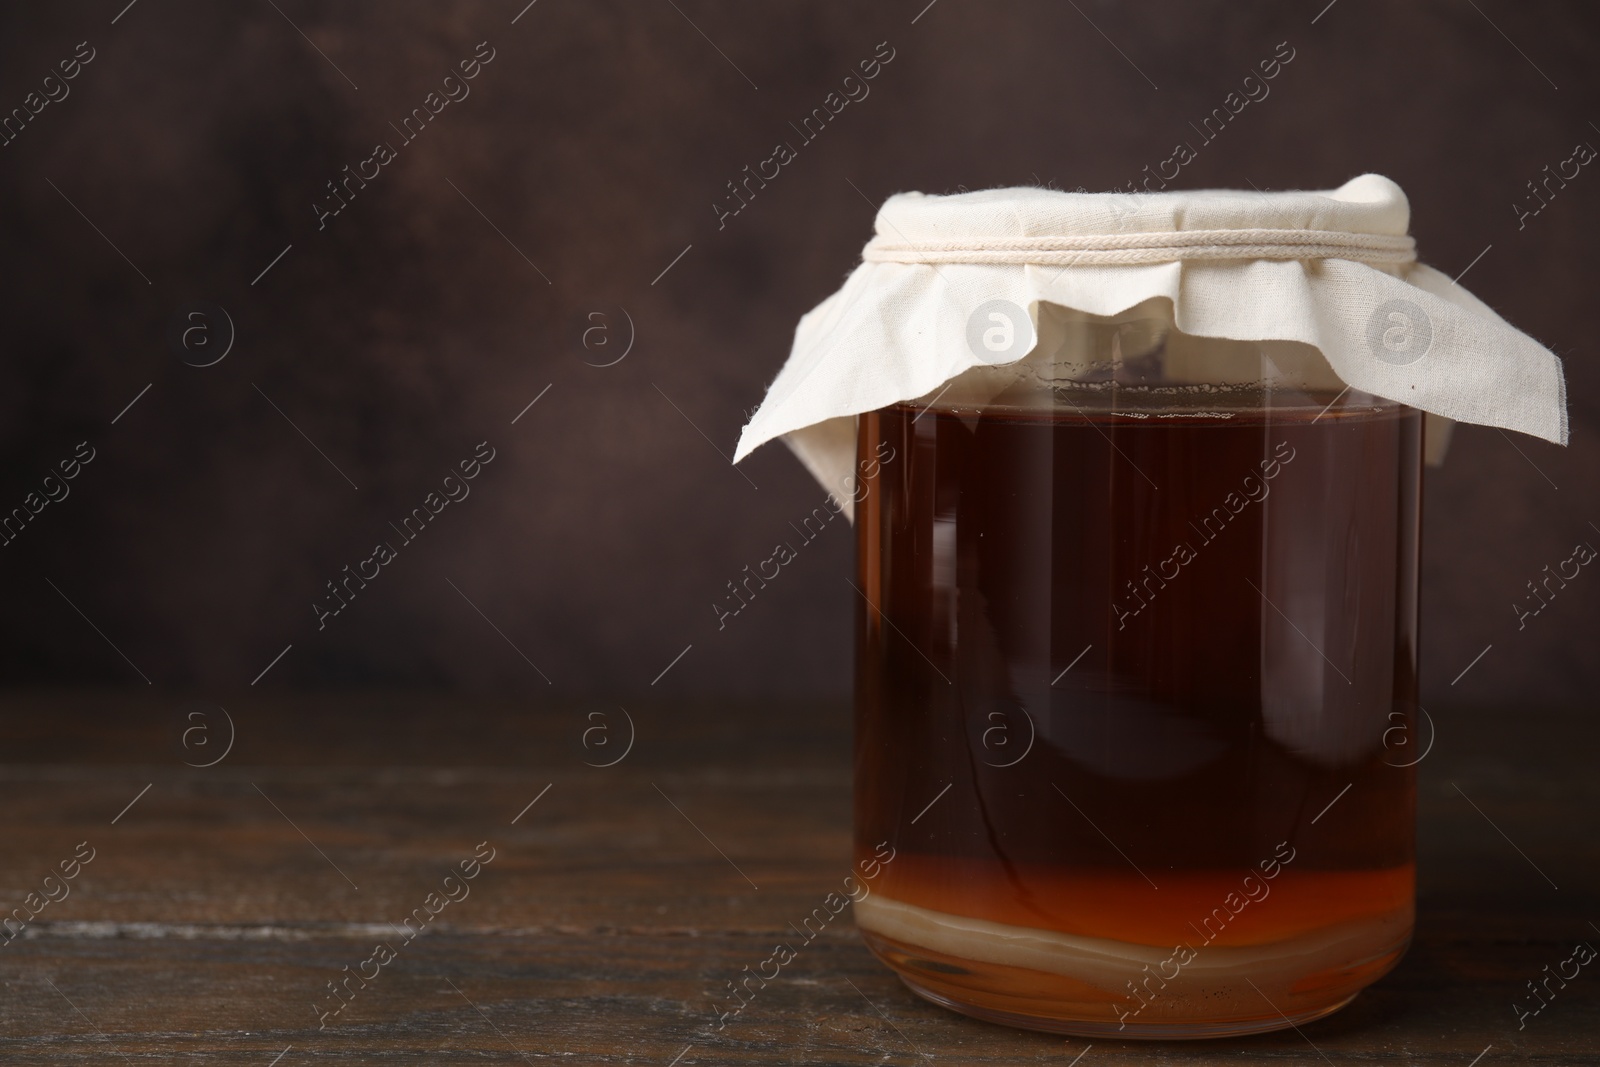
<point>220,903</point>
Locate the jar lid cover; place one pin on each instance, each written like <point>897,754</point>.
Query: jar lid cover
<point>1366,219</point>
<point>1333,269</point>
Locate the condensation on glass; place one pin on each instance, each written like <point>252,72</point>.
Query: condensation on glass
<point>1136,682</point>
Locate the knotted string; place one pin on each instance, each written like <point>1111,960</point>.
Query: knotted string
<point>1136,249</point>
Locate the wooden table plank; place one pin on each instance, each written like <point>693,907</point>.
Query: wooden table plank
<point>208,923</point>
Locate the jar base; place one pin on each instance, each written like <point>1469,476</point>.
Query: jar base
<point>1175,1031</point>
<point>1045,980</point>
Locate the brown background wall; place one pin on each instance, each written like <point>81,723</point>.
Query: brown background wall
<point>596,141</point>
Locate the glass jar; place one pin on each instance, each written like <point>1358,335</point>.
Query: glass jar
<point>1136,672</point>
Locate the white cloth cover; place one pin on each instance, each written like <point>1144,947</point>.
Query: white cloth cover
<point>1325,268</point>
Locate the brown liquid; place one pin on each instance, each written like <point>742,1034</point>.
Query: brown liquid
<point>1236,599</point>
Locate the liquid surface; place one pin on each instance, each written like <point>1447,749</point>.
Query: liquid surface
<point>1108,667</point>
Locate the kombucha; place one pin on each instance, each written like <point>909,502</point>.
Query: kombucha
<point>1131,690</point>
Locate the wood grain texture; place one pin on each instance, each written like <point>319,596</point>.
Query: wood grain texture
<point>218,907</point>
